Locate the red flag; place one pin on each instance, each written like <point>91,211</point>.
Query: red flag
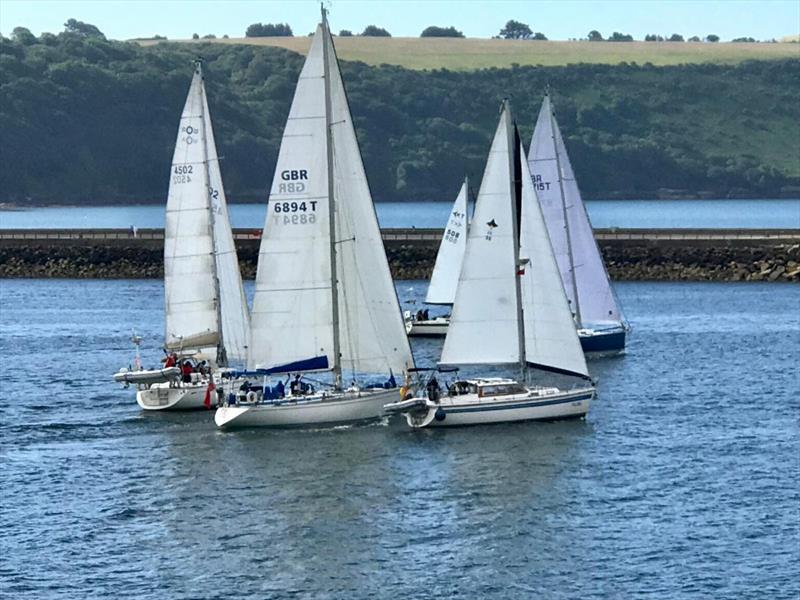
<point>521,271</point>
<point>211,388</point>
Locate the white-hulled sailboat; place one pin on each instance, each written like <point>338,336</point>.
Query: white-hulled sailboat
<point>206,314</point>
<point>598,316</point>
<point>324,299</point>
<point>444,279</point>
<point>510,308</point>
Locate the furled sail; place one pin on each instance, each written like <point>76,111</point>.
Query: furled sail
<point>292,318</point>
<point>586,282</point>
<point>189,284</point>
<point>551,340</point>
<point>444,280</point>
<point>484,323</point>
<point>234,313</point>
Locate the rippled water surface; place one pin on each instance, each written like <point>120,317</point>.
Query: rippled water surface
<point>682,482</point>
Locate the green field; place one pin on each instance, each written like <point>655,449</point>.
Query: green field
<point>469,54</point>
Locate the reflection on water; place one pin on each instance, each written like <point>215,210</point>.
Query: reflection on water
<point>681,482</point>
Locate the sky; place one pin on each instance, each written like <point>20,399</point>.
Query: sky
<point>557,19</point>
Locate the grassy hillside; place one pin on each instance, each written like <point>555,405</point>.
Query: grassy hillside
<point>468,54</point>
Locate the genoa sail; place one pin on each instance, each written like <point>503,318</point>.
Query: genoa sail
<point>293,308</point>
<point>483,325</point>
<point>583,272</point>
<point>444,279</point>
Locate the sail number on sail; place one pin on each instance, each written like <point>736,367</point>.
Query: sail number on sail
<point>181,173</point>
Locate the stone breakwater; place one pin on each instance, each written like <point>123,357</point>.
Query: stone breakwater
<point>629,261</point>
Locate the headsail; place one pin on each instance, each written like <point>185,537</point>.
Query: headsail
<point>189,281</point>
<point>292,318</point>
<point>483,326</point>
<point>581,265</point>
<point>444,280</point>
<point>551,340</point>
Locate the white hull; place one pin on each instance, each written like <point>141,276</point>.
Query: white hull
<point>542,404</point>
<point>316,410</point>
<point>430,328</point>
<point>163,397</point>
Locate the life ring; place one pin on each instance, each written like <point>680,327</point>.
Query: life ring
<point>403,392</point>
<point>251,397</point>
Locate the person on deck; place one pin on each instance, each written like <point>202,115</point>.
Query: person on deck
<point>187,371</point>
<point>171,360</point>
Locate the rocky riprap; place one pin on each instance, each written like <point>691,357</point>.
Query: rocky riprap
<point>412,261</point>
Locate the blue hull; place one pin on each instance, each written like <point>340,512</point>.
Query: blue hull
<point>610,341</point>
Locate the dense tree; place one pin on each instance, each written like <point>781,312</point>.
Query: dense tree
<point>195,36</point>
<point>90,120</point>
<point>595,36</point>
<point>652,37</point>
<point>675,37</point>
<point>83,29</point>
<point>345,33</point>
<point>514,30</point>
<point>744,39</point>
<point>620,37</point>
<point>712,38</point>
<point>694,38</point>
<point>268,30</point>
<point>375,31</point>
<point>23,35</point>
<point>434,31</point>
<point>539,36</point>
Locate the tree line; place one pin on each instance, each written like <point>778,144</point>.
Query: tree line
<point>83,118</point>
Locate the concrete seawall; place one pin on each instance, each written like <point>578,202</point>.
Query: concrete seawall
<point>630,254</point>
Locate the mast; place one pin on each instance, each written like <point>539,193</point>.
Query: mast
<point>222,358</point>
<point>514,178</point>
<point>337,359</point>
<point>573,280</point>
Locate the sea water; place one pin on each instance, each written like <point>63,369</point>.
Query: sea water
<point>682,482</point>
<point>623,214</point>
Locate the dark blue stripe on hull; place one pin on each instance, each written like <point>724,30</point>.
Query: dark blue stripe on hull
<point>515,405</point>
<point>604,342</point>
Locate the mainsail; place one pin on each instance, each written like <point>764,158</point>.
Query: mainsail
<point>205,302</point>
<point>444,280</point>
<point>189,278</point>
<point>510,304</point>
<point>293,317</point>
<point>586,282</point>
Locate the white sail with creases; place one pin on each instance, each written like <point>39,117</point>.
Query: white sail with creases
<point>483,326</point>
<point>234,313</point>
<point>373,335</point>
<point>551,341</point>
<point>444,279</point>
<point>189,280</point>
<point>583,272</point>
<point>292,318</point>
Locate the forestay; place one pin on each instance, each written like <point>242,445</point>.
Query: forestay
<point>551,340</point>
<point>483,326</point>
<point>189,284</point>
<point>590,293</point>
<point>292,317</point>
<point>233,304</point>
<point>444,280</point>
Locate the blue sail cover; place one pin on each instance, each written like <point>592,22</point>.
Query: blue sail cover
<point>317,363</point>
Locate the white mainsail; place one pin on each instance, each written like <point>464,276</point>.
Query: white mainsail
<point>189,279</point>
<point>483,326</point>
<point>293,315</point>
<point>581,265</point>
<point>551,340</point>
<point>444,279</point>
<point>234,313</point>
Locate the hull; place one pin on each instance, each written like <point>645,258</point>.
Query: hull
<point>314,411</point>
<point>602,342</point>
<point>549,406</point>
<point>164,397</point>
<point>430,328</point>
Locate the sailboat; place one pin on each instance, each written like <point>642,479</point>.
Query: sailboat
<point>325,311</point>
<point>442,287</point>
<point>601,325</point>
<point>206,314</point>
<point>510,309</point>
